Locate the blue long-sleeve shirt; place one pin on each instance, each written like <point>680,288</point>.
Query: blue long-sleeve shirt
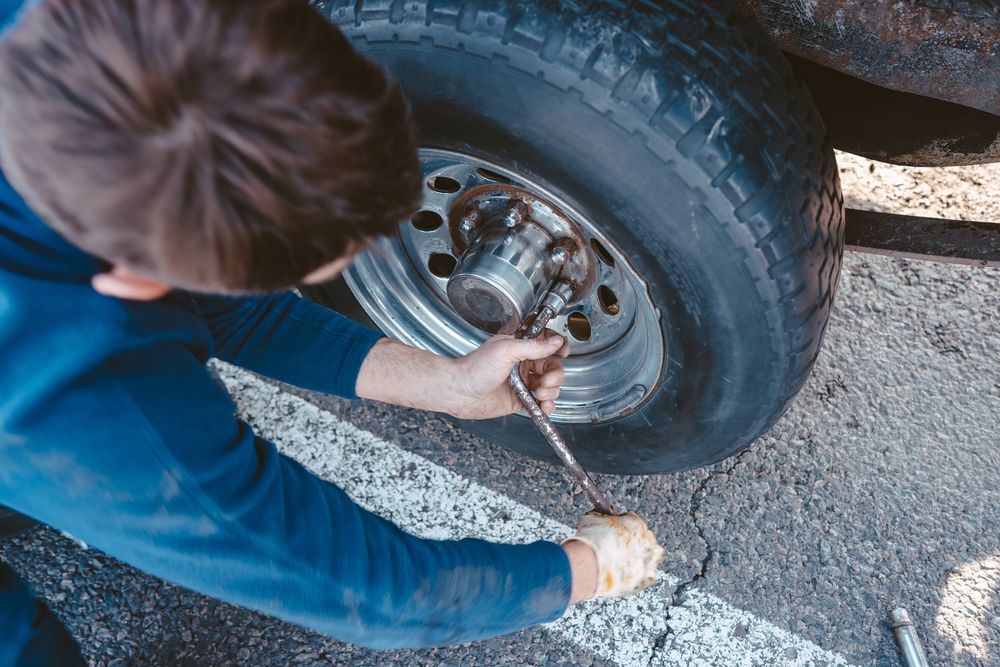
<point>111,428</point>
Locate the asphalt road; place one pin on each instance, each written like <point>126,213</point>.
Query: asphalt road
<point>878,488</point>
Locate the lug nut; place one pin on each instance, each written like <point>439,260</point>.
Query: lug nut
<point>558,296</point>
<point>517,211</point>
<point>562,252</point>
<point>470,219</point>
<point>469,222</point>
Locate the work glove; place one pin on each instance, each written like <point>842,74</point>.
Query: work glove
<point>626,550</point>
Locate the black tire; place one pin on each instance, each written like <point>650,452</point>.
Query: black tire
<point>686,132</point>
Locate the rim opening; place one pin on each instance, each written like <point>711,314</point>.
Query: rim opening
<point>602,252</point>
<point>578,325</point>
<point>444,184</point>
<point>426,221</point>
<point>441,264</point>
<point>491,175</point>
<point>608,300</point>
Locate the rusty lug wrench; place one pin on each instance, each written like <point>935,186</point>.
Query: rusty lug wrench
<point>542,421</point>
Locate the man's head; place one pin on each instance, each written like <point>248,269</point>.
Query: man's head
<point>214,145</point>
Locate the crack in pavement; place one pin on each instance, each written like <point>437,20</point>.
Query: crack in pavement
<point>679,594</point>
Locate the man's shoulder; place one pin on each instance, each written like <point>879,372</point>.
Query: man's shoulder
<point>64,342</point>
<point>69,318</point>
<point>50,314</point>
<point>31,247</point>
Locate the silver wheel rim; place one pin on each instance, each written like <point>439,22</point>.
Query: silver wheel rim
<point>400,282</point>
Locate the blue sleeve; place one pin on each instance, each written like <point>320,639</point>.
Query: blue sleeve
<point>143,459</point>
<point>10,10</point>
<point>290,339</point>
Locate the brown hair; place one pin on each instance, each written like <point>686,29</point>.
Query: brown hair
<point>219,145</point>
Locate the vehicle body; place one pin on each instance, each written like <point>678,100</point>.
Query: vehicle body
<point>914,83</point>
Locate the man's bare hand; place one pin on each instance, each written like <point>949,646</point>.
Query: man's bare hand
<point>482,379</point>
<point>470,387</point>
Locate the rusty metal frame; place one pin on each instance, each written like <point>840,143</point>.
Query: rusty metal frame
<point>913,237</point>
<point>895,127</point>
<point>946,49</point>
<point>913,82</point>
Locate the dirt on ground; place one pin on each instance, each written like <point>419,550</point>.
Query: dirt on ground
<point>963,193</point>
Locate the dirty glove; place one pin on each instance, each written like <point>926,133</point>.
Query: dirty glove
<point>626,550</point>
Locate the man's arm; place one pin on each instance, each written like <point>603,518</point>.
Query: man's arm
<point>146,462</point>
<point>287,338</point>
<point>293,340</point>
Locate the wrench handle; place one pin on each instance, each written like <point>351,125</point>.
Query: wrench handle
<point>548,429</point>
<point>555,439</point>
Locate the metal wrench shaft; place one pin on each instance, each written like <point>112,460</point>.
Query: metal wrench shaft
<point>911,652</point>
<point>548,429</point>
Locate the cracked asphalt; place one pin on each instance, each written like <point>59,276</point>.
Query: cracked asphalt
<point>878,488</point>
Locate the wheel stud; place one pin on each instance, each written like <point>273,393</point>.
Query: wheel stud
<point>517,211</point>
<point>562,252</point>
<point>469,221</point>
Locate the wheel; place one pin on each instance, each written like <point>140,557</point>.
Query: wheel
<point>691,172</point>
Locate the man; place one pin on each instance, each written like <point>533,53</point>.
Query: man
<point>170,169</point>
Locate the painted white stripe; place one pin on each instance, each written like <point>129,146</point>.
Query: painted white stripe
<point>431,501</point>
<point>964,613</point>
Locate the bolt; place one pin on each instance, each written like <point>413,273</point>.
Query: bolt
<point>562,252</point>
<point>470,219</point>
<point>517,211</point>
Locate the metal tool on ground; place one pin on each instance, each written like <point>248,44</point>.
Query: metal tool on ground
<point>533,326</point>
<point>911,652</point>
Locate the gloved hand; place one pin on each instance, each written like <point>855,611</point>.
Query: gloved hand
<point>626,551</point>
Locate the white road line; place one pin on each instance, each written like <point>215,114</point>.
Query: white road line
<point>429,500</point>
<point>964,613</point>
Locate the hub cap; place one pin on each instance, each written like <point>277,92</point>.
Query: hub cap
<point>484,246</point>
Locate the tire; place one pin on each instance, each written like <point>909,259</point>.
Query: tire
<point>683,130</point>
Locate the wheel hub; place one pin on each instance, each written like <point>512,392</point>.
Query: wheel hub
<point>508,265</point>
<point>486,245</point>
